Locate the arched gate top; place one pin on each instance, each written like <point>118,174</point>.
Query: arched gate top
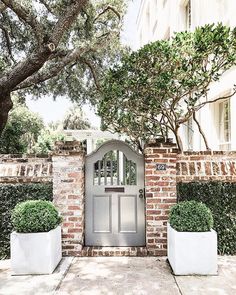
<point>114,144</point>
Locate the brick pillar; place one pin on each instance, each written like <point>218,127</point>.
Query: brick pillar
<point>160,186</point>
<point>68,194</point>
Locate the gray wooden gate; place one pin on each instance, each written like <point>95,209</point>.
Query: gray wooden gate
<point>114,196</point>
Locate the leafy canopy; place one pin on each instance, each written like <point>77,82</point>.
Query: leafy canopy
<point>22,130</point>
<point>57,47</point>
<point>88,45</point>
<point>156,89</point>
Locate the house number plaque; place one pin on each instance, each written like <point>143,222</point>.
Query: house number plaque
<point>160,167</point>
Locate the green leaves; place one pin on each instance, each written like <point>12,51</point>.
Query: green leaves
<point>157,88</point>
<point>191,216</point>
<point>21,131</point>
<point>220,197</point>
<point>92,36</point>
<point>10,195</point>
<point>35,216</point>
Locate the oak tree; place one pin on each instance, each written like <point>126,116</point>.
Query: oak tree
<point>56,47</point>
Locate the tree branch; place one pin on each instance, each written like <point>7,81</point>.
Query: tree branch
<point>92,70</point>
<point>201,131</point>
<point>43,76</point>
<point>198,107</point>
<point>47,6</point>
<point>66,20</point>
<point>2,7</point>
<point>107,9</point>
<point>32,64</point>
<point>8,43</point>
<point>27,16</point>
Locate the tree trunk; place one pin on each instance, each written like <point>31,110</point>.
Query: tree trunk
<point>178,140</point>
<point>201,132</point>
<point>5,106</point>
<point>35,61</point>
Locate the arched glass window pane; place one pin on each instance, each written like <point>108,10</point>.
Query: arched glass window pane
<point>115,169</point>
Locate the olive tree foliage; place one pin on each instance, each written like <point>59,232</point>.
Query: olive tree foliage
<point>156,89</point>
<point>56,47</point>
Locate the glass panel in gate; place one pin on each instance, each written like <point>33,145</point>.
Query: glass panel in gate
<point>115,169</point>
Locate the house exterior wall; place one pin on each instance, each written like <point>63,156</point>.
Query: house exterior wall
<point>160,19</point>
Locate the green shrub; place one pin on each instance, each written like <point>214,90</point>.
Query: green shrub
<point>191,216</point>
<point>10,195</point>
<point>220,197</point>
<point>35,216</point>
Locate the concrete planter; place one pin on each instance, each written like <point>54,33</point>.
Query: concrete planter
<point>192,253</point>
<point>35,253</point>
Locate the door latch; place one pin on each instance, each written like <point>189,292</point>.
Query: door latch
<point>141,195</point>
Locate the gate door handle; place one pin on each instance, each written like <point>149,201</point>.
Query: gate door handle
<point>141,193</point>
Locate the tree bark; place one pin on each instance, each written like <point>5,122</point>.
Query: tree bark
<point>5,106</point>
<point>178,140</point>
<point>201,132</point>
<point>34,62</point>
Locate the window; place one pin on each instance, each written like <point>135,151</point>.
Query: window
<point>224,125</point>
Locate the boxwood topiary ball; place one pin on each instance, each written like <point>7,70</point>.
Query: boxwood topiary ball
<point>35,216</point>
<point>191,216</point>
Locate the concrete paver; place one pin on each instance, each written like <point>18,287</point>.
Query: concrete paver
<point>119,276</point>
<point>222,284</point>
<point>31,284</point>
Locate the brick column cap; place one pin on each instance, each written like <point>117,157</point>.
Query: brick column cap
<point>68,148</point>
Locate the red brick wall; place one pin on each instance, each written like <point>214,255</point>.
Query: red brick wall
<point>20,169</point>
<point>206,166</point>
<point>68,195</point>
<point>161,185</point>
<point>67,170</point>
<point>160,188</point>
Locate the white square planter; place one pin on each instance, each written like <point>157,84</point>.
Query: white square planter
<point>192,253</point>
<point>35,253</point>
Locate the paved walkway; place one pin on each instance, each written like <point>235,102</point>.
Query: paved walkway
<point>31,285</point>
<point>119,276</point>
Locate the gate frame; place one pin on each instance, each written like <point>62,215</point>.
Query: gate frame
<point>124,147</point>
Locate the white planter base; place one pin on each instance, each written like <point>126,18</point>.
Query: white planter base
<point>35,253</point>
<point>192,253</point>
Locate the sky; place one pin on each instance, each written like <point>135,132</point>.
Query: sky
<point>51,110</point>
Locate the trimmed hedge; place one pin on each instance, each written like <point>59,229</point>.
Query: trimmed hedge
<point>220,197</point>
<point>10,195</point>
<point>191,216</point>
<point>34,216</point>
